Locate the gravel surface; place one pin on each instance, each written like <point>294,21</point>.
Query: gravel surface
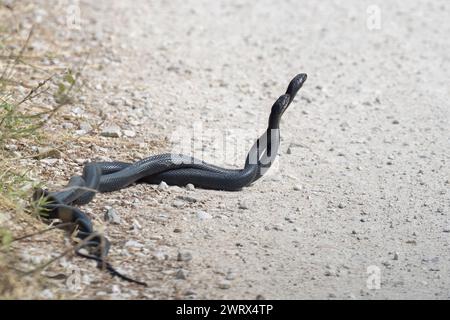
<point>357,206</point>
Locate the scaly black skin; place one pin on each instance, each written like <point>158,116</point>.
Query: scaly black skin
<point>174,169</point>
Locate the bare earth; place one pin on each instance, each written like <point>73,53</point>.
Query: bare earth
<point>360,193</point>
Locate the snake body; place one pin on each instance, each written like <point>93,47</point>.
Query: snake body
<point>174,169</point>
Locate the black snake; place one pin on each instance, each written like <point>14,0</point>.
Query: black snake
<point>174,169</point>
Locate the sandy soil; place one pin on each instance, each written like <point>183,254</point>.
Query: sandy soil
<point>358,204</point>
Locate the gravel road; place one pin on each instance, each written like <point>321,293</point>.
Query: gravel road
<point>357,206</point>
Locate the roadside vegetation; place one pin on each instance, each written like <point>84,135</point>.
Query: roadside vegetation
<point>30,97</point>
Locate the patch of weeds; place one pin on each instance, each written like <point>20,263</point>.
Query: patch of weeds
<point>22,115</point>
<point>15,124</point>
<point>38,206</point>
<point>6,238</point>
<point>18,123</point>
<point>15,187</point>
<point>65,86</point>
<point>21,121</point>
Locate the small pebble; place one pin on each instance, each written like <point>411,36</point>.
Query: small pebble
<point>129,133</point>
<point>86,127</point>
<point>133,244</point>
<point>49,162</point>
<point>190,187</point>
<point>136,225</point>
<point>278,227</point>
<point>331,271</point>
<point>47,294</point>
<point>243,206</point>
<point>77,110</point>
<point>187,199</point>
<point>288,219</point>
<point>178,203</point>
<point>175,189</point>
<point>112,216</point>
<point>111,132</point>
<point>160,256</point>
<point>202,215</point>
<point>181,274</point>
<point>86,279</point>
<point>116,289</point>
<point>395,255</point>
<point>67,125</point>
<point>163,186</point>
<point>184,256</point>
<point>190,293</point>
<point>230,275</point>
<point>80,132</point>
<point>11,147</point>
<point>224,284</point>
<point>298,187</point>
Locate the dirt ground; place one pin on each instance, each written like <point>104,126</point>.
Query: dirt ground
<point>357,206</point>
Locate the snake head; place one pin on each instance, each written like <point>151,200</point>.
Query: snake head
<point>280,106</point>
<point>283,102</point>
<point>278,109</point>
<point>295,85</point>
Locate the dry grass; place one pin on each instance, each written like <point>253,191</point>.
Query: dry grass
<point>32,96</point>
<point>23,87</point>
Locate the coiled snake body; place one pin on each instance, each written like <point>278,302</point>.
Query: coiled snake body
<point>174,169</point>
